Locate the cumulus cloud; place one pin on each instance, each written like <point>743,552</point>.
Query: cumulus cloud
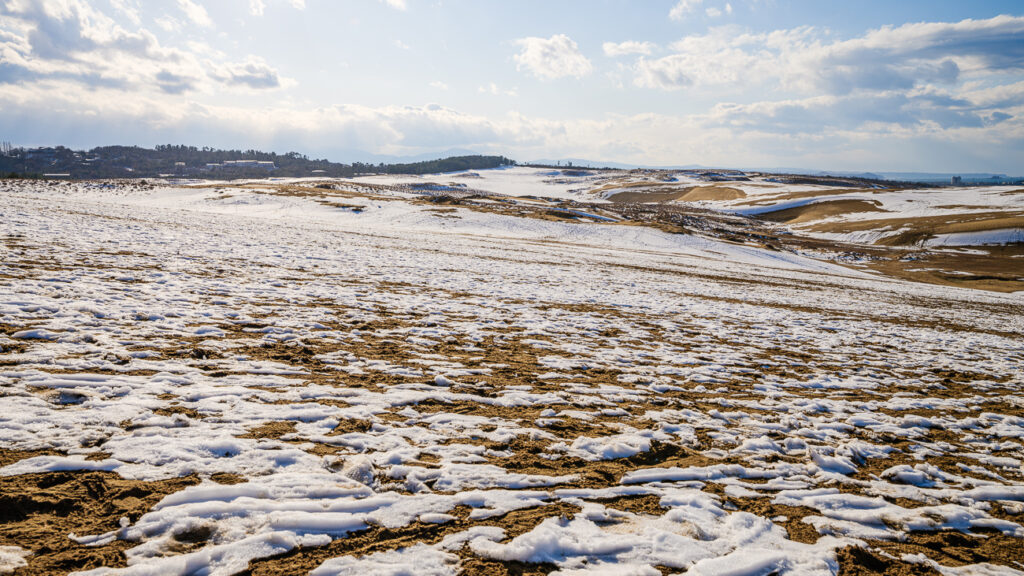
<point>257,7</point>
<point>550,58</point>
<point>129,8</point>
<point>50,35</point>
<point>253,72</point>
<point>721,57</point>
<point>627,48</point>
<point>196,13</point>
<point>396,4</point>
<point>69,40</point>
<point>807,60</point>
<point>668,73</point>
<point>682,8</point>
<point>168,23</point>
<point>1001,96</point>
<point>175,83</point>
<point>925,79</point>
<point>823,114</point>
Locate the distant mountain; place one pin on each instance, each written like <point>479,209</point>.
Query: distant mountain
<point>810,172</point>
<point>945,176</point>
<point>923,177</point>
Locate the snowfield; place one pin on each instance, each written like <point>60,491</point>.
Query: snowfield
<point>268,379</point>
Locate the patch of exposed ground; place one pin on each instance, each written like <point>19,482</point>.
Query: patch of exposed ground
<point>712,193</point>
<point>857,561</point>
<point>996,268</point>
<point>11,456</point>
<point>380,539</point>
<point>689,194</point>
<point>38,511</point>
<point>914,231</point>
<point>768,199</point>
<point>947,547</point>
<point>821,210</point>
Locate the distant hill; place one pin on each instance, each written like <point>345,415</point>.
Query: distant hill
<point>966,177</point>
<point>193,162</point>
<point>923,177</point>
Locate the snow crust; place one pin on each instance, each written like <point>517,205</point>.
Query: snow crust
<point>12,558</point>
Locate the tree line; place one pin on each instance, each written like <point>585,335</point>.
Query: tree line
<point>195,162</point>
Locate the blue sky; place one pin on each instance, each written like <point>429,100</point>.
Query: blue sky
<point>908,85</point>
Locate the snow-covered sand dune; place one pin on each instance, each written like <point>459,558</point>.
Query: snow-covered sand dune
<point>383,386</point>
<point>859,213</point>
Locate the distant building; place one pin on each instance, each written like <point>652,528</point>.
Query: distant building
<point>44,154</point>
<point>249,164</point>
<point>956,181</point>
<point>242,165</point>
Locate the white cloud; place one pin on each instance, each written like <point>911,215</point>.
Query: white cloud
<point>494,89</point>
<point>71,42</point>
<point>196,13</point>
<point>254,72</point>
<point>258,7</point>
<point>1006,95</point>
<point>168,23</point>
<point>550,58</point>
<point>396,4</point>
<point>713,12</point>
<point>438,85</point>
<point>401,45</point>
<point>721,57</point>
<point>920,83</point>
<point>682,8</point>
<point>129,8</point>
<point>927,110</point>
<point>807,60</point>
<point>626,48</point>
<point>668,73</point>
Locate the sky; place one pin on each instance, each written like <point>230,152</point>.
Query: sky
<point>906,85</point>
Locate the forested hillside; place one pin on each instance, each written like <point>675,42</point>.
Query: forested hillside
<point>205,162</point>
